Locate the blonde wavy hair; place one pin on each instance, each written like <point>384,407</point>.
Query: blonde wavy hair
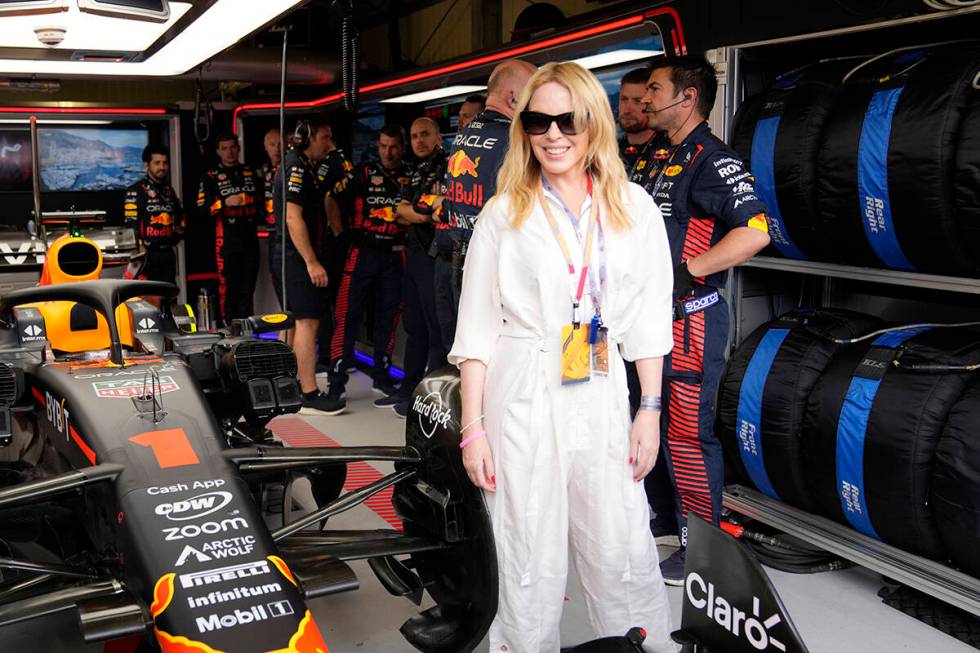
<point>520,174</point>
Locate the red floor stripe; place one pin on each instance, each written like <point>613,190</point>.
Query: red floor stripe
<point>297,432</point>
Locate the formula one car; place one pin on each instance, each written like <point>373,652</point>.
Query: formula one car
<point>134,457</point>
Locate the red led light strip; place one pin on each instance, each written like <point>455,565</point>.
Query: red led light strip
<point>677,35</point>
<point>86,110</point>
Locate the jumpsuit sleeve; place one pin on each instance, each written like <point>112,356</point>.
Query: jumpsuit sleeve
<point>295,183</point>
<point>480,319</point>
<point>650,333</point>
<point>132,209</point>
<point>180,219</point>
<point>344,182</point>
<point>725,188</point>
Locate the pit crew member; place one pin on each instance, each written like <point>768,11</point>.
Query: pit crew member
<point>152,208</point>
<point>714,221</point>
<point>471,180</point>
<point>375,264</point>
<point>419,202</point>
<point>302,216</point>
<point>230,200</point>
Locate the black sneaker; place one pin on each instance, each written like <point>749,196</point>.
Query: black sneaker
<point>401,408</point>
<point>317,403</point>
<point>672,569</point>
<point>385,387</point>
<point>388,401</point>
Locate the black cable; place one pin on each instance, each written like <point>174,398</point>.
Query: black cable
<point>790,554</point>
<point>282,161</point>
<point>350,52</point>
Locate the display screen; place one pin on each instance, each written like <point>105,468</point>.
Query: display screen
<point>15,160</point>
<point>77,159</point>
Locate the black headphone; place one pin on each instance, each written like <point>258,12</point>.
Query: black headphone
<point>301,136</point>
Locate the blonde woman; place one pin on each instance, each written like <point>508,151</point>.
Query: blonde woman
<point>568,273</point>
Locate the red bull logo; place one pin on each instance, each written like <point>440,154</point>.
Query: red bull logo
<point>164,219</point>
<point>456,192</point>
<point>386,213</point>
<point>461,164</point>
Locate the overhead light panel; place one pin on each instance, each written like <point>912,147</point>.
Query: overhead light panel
<point>221,26</point>
<point>86,31</point>
<point>615,58</point>
<point>146,9</point>
<point>434,94</point>
<point>31,6</point>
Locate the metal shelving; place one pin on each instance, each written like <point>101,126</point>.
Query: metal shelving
<point>874,275</point>
<point>928,576</point>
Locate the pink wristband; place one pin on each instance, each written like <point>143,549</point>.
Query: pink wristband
<point>470,439</point>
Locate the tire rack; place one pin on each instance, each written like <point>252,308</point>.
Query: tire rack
<point>927,576</point>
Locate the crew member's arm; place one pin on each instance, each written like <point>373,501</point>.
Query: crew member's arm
<point>408,215</point>
<point>208,198</point>
<point>334,218</point>
<point>300,236</point>
<point>725,188</point>
<point>736,247</point>
<point>337,189</point>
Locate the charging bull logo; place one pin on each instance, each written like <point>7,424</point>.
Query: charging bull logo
<point>461,164</point>
<point>164,219</point>
<point>386,213</point>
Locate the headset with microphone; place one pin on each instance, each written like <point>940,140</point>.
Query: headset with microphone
<point>687,96</point>
<point>301,135</point>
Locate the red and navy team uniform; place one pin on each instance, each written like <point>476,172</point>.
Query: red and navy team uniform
<point>638,157</point>
<point>374,266</point>
<point>155,213</point>
<point>304,300</point>
<point>703,191</point>
<point>236,243</point>
<point>471,180</point>
<point>333,174</point>
<point>268,174</point>
<point>423,347</point>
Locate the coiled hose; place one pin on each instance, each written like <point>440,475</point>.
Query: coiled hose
<point>350,53</point>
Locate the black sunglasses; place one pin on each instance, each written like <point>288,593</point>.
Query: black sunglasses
<point>536,123</point>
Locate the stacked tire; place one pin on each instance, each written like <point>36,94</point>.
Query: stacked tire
<point>876,429</point>
<point>888,159</point>
<point>872,427</point>
<point>956,483</point>
<point>778,133</point>
<point>882,169</point>
<point>763,396</point>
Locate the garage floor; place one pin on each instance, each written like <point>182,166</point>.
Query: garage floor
<point>835,612</point>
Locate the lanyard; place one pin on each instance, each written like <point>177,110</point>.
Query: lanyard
<point>586,257</point>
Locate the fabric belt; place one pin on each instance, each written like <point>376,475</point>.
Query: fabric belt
<point>704,297</point>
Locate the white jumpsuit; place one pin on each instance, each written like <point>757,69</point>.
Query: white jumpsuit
<point>561,453</point>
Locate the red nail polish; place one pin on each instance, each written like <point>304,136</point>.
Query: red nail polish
<point>493,479</point>
<point>631,460</point>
